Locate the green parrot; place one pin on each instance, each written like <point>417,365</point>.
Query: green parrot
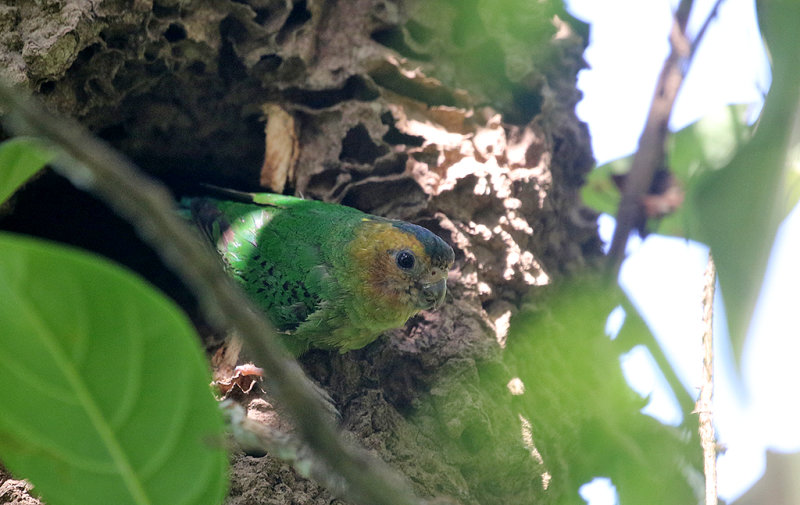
<point>327,276</point>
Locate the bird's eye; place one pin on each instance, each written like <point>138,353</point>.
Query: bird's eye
<point>405,260</point>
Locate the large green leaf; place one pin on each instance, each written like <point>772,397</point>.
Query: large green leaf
<point>587,419</point>
<point>554,411</point>
<point>698,149</point>
<point>103,387</point>
<point>739,207</point>
<point>20,158</point>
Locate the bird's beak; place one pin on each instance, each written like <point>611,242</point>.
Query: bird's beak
<point>432,295</point>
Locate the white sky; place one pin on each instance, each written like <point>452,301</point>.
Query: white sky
<point>663,275</point>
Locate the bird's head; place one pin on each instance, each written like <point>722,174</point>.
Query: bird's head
<point>406,265</point>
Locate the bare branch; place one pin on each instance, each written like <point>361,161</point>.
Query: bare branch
<point>651,153</point>
<point>682,14</point>
<point>704,403</point>
<point>91,164</point>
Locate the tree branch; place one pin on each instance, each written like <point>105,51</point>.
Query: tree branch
<point>93,165</point>
<point>651,153</point>
<point>704,403</point>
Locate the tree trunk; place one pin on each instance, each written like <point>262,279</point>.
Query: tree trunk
<point>456,115</point>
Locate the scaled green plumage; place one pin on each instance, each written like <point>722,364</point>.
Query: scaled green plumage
<point>326,275</point>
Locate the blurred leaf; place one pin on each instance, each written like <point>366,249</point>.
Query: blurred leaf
<point>739,207</point>
<point>20,158</point>
<point>708,143</point>
<point>700,148</point>
<point>103,388</point>
<point>600,192</point>
<point>556,411</point>
<point>516,25</point>
<point>585,418</point>
<point>636,332</point>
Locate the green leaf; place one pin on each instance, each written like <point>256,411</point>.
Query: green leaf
<point>554,411</point>
<point>586,418</point>
<point>600,192</point>
<point>103,387</point>
<point>697,150</point>
<point>739,207</point>
<point>709,143</point>
<point>20,158</point>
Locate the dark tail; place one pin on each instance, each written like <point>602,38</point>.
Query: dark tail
<point>228,194</point>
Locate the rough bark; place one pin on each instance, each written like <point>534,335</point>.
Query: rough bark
<point>457,115</point>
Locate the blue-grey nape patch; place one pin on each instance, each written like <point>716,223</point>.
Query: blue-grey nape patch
<point>440,253</point>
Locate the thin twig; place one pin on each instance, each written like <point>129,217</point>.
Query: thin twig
<point>704,403</point>
<point>91,164</point>
<point>711,15</point>
<point>650,155</point>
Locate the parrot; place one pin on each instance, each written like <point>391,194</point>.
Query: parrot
<point>327,276</point>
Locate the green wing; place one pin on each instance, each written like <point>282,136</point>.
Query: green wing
<point>267,253</point>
